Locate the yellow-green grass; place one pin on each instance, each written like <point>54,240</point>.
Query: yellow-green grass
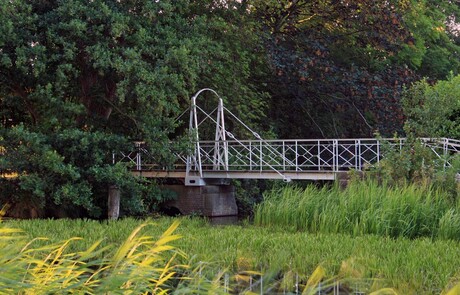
<point>364,207</point>
<point>412,266</point>
<point>136,266</point>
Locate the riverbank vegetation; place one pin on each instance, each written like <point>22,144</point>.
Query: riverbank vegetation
<point>364,207</point>
<point>82,79</point>
<point>410,266</point>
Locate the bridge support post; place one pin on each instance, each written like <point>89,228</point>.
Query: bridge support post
<point>113,202</point>
<point>207,200</point>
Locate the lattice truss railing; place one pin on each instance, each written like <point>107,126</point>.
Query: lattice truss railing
<point>313,155</point>
<point>227,153</point>
<point>289,155</point>
<point>141,159</point>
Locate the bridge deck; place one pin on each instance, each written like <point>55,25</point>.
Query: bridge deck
<point>292,175</point>
<point>222,158</point>
<point>277,159</point>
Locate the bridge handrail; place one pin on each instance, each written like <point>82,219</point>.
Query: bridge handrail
<point>295,154</point>
<point>385,139</point>
<point>271,156</point>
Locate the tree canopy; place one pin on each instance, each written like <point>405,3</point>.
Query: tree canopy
<point>433,110</point>
<point>80,79</point>
<point>347,61</point>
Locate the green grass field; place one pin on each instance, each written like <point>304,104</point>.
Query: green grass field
<point>411,266</point>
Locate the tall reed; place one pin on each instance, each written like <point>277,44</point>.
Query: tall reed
<point>221,255</point>
<point>139,265</point>
<point>364,207</point>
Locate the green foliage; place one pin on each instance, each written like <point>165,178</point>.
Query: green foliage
<point>70,169</point>
<point>448,180</point>
<point>79,80</point>
<point>249,193</point>
<point>407,161</point>
<point>433,110</point>
<point>411,161</point>
<point>342,65</point>
<point>335,61</point>
<point>364,207</point>
<point>433,48</point>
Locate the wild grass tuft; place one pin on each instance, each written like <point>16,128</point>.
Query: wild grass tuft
<point>364,207</point>
<point>141,264</point>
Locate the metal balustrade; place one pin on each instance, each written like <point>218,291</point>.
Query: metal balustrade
<point>227,157</point>
<point>282,159</point>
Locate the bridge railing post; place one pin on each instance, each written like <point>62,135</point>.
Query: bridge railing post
<point>319,154</point>
<point>260,156</point>
<point>284,157</point>
<point>138,145</point>
<point>335,156</point>
<point>445,153</point>
<point>250,156</point>
<point>296,157</point>
<point>357,155</point>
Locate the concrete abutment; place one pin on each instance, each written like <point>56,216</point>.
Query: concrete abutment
<point>207,200</point>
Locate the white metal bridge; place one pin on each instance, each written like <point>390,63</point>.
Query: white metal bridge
<point>226,157</point>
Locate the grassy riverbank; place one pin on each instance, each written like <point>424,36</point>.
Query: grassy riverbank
<point>412,266</point>
<point>364,207</point>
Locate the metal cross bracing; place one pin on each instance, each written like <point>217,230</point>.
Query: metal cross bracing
<point>226,157</point>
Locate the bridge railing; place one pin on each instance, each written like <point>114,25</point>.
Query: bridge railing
<point>289,155</point>
<point>292,155</point>
<point>298,155</point>
<point>141,159</point>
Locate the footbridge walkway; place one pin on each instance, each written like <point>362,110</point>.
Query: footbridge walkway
<point>227,157</point>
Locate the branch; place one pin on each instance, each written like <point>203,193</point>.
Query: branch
<point>352,103</point>
<point>359,112</point>
<point>313,120</point>
<point>122,113</point>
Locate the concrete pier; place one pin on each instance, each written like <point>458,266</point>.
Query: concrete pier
<point>208,200</point>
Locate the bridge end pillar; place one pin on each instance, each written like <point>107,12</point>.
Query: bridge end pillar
<point>207,200</point>
<point>113,202</point>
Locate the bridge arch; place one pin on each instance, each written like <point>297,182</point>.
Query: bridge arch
<point>220,156</point>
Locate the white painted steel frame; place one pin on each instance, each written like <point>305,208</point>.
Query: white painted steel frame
<point>268,159</point>
<point>281,159</point>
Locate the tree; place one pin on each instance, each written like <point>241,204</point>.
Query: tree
<point>433,110</point>
<point>434,53</point>
<point>341,66</point>
<point>80,79</point>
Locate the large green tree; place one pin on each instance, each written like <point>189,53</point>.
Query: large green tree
<point>435,51</point>
<point>80,79</point>
<point>341,65</point>
<point>433,110</point>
